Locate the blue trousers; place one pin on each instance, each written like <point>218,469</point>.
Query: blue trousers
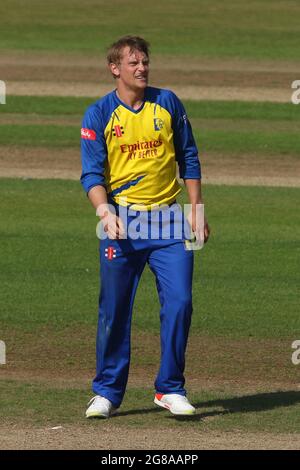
<point>121,265</point>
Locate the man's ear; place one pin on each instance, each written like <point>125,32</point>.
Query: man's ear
<point>115,71</point>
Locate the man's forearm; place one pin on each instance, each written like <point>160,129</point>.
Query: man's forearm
<point>196,216</point>
<point>194,191</point>
<point>113,225</point>
<point>98,197</point>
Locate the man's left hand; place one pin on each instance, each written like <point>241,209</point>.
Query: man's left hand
<point>198,223</point>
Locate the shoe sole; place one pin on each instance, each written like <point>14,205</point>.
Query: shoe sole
<point>167,407</point>
<point>96,414</point>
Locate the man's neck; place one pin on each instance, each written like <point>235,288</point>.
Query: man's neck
<point>132,98</point>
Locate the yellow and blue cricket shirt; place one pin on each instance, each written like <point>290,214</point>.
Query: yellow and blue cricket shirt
<point>133,153</point>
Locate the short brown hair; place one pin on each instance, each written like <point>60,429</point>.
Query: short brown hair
<point>114,53</point>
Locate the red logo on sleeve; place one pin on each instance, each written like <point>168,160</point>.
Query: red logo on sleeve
<point>88,134</point>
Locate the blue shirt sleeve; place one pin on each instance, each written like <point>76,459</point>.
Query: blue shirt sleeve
<point>93,149</point>
<point>184,142</point>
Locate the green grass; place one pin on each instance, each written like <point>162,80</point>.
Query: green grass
<point>245,296</point>
<point>227,127</point>
<point>37,404</point>
<point>59,105</point>
<point>248,142</point>
<point>260,29</point>
<point>242,110</point>
<point>233,142</point>
<point>40,135</point>
<point>46,105</point>
<point>246,278</point>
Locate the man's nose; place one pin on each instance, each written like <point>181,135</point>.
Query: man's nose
<point>143,67</point>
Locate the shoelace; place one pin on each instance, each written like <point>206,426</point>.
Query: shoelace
<point>180,397</point>
<point>98,399</point>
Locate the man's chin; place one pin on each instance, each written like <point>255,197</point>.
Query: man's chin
<point>142,84</point>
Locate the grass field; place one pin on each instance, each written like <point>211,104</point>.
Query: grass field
<point>249,264</point>
<point>232,128</point>
<point>72,106</point>
<point>239,370</point>
<point>244,294</point>
<point>260,29</point>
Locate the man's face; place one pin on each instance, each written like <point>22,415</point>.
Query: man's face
<point>133,69</point>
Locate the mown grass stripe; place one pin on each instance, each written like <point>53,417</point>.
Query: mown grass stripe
<point>234,142</point>
<point>205,109</point>
<point>208,28</point>
<point>261,143</point>
<point>40,135</point>
<point>49,405</point>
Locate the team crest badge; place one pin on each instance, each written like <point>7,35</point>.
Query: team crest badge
<point>158,124</point>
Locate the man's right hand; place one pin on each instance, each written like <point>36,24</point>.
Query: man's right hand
<point>113,225</point>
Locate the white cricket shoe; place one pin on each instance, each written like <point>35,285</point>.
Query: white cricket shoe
<point>100,407</point>
<point>176,404</point>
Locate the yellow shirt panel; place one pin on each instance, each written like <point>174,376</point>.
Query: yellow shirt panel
<point>141,166</point>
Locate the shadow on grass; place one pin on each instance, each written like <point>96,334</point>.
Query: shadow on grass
<point>241,404</point>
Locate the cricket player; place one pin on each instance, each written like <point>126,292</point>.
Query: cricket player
<point>132,140</point>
